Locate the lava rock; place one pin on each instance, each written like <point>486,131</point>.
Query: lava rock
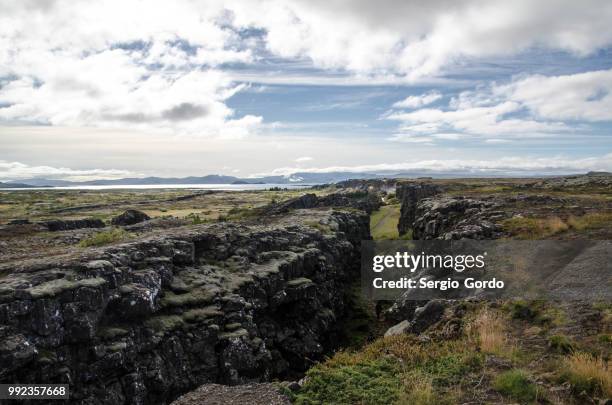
<point>130,217</point>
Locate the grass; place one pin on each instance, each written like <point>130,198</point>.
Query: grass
<point>588,373</point>
<point>534,228</point>
<point>517,385</point>
<point>106,237</point>
<point>395,369</point>
<point>383,223</point>
<point>590,221</point>
<point>367,382</point>
<point>491,332</point>
<point>536,312</point>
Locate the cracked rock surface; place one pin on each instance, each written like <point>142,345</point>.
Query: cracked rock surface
<point>146,321</point>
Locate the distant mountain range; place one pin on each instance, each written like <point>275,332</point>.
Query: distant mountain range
<point>15,185</point>
<point>294,178</point>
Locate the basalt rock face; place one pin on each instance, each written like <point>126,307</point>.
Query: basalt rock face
<point>456,218</point>
<point>144,322</point>
<point>409,195</point>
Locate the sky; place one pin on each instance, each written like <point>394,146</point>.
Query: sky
<point>130,88</point>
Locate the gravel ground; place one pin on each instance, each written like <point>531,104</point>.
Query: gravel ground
<point>251,394</point>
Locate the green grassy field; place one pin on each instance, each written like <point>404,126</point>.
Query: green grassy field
<point>383,223</point>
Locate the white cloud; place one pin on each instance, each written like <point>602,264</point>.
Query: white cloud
<point>528,106</point>
<point>304,159</point>
<point>121,65</point>
<point>17,171</point>
<point>418,101</point>
<point>525,165</point>
<point>582,96</point>
<point>418,39</point>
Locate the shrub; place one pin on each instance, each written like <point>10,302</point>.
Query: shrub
<point>587,373</point>
<point>105,237</point>
<point>367,382</point>
<point>516,384</point>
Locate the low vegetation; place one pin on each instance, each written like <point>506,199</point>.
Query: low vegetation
<point>516,384</point>
<point>396,369</point>
<point>383,223</point>
<point>106,237</point>
<point>588,373</point>
<point>490,332</point>
<point>534,228</point>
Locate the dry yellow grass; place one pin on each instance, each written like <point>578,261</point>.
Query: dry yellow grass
<point>418,390</point>
<point>589,221</point>
<point>535,228</point>
<point>490,331</point>
<point>588,373</point>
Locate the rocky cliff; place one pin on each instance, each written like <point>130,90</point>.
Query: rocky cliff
<point>409,195</point>
<point>456,218</point>
<point>146,321</point>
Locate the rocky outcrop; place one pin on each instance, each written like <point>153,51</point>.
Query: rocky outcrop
<point>456,218</point>
<point>361,200</point>
<point>409,195</point>
<point>71,224</point>
<point>144,322</point>
<point>130,217</point>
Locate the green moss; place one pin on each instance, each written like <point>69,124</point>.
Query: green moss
<point>165,323</point>
<point>296,282</point>
<point>516,384</point>
<point>324,229</point>
<point>111,333</point>
<point>201,314</point>
<point>194,297</point>
<point>117,347</point>
<point>234,334</point>
<point>55,287</point>
<point>106,237</point>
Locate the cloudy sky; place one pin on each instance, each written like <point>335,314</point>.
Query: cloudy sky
<point>107,89</point>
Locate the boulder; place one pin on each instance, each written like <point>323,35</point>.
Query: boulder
<point>399,329</point>
<point>130,217</point>
<point>427,315</point>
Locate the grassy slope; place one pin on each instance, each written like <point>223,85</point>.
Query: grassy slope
<point>500,356</point>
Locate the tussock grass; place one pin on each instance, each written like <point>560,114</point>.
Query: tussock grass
<point>418,390</point>
<point>106,237</point>
<point>490,330</point>
<point>588,373</point>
